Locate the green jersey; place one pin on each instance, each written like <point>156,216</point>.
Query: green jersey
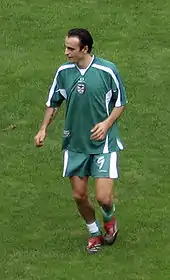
<point>90,94</point>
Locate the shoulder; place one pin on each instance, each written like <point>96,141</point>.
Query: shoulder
<point>62,69</point>
<point>66,66</point>
<point>105,65</point>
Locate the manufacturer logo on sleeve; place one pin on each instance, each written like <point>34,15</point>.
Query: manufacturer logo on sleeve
<point>66,133</point>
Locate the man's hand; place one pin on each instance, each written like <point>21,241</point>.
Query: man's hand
<point>50,113</point>
<point>39,138</point>
<point>99,131</point>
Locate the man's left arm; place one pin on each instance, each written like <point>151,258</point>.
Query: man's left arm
<point>99,131</point>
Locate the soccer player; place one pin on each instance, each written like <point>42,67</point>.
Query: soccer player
<point>95,99</point>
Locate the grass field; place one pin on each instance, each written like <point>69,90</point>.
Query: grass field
<point>41,235</point>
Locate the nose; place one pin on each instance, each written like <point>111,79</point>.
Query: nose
<point>66,51</point>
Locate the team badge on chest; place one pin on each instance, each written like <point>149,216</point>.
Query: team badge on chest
<point>81,86</point>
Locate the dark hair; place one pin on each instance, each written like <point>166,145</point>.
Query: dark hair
<point>84,37</point>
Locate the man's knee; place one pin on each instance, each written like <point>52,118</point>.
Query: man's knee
<point>104,200</point>
<point>80,196</point>
<point>104,191</point>
<point>79,188</point>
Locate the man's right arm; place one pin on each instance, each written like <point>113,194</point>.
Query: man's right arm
<point>55,99</point>
<point>50,113</point>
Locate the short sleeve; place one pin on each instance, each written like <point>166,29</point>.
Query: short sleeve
<point>119,93</point>
<point>57,93</point>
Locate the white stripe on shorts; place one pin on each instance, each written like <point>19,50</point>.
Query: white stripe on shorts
<point>113,172</point>
<point>65,162</point>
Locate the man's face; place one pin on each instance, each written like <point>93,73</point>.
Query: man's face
<point>72,49</point>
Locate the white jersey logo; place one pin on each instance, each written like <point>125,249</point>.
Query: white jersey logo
<point>81,87</point>
<point>100,162</point>
<point>66,133</point>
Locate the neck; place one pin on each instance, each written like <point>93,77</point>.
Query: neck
<point>84,63</point>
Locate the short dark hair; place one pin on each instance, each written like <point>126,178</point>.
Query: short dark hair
<point>84,37</point>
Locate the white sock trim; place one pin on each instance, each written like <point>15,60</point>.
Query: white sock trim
<point>93,228</point>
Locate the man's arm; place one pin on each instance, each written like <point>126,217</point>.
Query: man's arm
<point>115,114</point>
<point>50,113</point>
<point>99,131</point>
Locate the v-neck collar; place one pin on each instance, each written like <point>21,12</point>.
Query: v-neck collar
<point>84,70</point>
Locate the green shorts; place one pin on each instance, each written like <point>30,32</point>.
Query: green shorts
<point>98,166</point>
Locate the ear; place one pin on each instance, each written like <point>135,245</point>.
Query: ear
<point>85,49</point>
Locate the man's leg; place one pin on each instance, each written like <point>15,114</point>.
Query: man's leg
<point>86,210</point>
<point>104,196</point>
<point>80,195</point>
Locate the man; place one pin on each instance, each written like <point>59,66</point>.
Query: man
<point>95,99</point>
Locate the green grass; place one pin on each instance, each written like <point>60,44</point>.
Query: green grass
<point>41,234</point>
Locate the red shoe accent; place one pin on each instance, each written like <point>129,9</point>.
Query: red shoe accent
<point>94,244</point>
<point>111,231</point>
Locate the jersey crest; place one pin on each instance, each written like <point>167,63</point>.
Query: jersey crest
<point>81,86</point>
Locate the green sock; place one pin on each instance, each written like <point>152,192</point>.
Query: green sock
<point>107,212</point>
